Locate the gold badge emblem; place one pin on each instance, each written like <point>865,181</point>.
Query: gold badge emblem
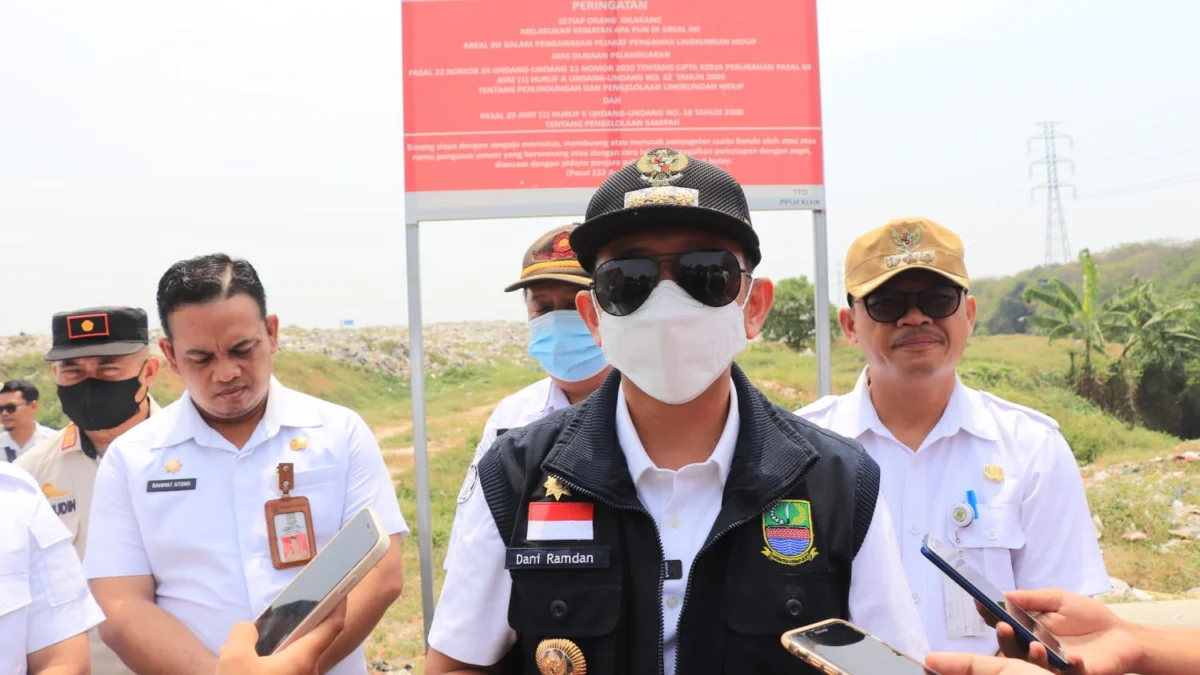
<point>907,242</point>
<point>299,443</point>
<point>555,489</point>
<point>174,466</point>
<point>51,492</point>
<point>661,166</point>
<point>993,473</point>
<point>87,325</point>
<point>559,657</point>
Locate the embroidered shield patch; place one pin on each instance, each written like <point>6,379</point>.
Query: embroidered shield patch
<point>788,532</point>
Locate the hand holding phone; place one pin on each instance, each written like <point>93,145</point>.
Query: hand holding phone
<point>839,647</point>
<point>993,601</point>
<point>323,583</point>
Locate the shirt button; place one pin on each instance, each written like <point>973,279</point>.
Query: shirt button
<point>992,534</point>
<point>914,530</point>
<point>673,521</point>
<point>672,601</point>
<point>916,598</point>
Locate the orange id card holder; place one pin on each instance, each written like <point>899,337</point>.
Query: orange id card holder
<point>290,525</point>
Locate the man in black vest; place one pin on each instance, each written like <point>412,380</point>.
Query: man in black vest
<point>675,521</point>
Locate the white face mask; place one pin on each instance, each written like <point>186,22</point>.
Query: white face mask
<point>674,346</point>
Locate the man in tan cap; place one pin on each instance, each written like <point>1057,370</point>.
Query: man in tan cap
<point>993,481</point>
<point>551,277</point>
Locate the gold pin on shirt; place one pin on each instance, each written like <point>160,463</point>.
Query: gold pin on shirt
<point>299,443</point>
<point>174,466</point>
<point>557,656</point>
<point>993,473</point>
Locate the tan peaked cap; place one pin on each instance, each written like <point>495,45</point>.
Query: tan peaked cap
<point>551,258</point>
<point>902,245</point>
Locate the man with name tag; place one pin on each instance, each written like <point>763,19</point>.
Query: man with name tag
<point>675,521</point>
<point>203,513</point>
<point>103,368</point>
<point>993,480</point>
<point>558,339</point>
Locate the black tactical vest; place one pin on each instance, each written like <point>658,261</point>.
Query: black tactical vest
<point>797,504</point>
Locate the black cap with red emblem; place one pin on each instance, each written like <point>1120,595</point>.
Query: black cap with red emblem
<point>98,331</point>
<point>551,258</point>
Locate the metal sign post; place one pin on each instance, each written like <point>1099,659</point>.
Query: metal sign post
<point>416,366</point>
<point>821,304</point>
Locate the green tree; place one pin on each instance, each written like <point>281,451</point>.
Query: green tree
<point>792,316</point>
<point>1082,318</point>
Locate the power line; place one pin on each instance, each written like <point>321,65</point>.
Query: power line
<point>1056,225</point>
<point>1168,181</point>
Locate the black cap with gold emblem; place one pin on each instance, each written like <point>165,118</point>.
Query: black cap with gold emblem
<point>98,331</point>
<point>666,187</point>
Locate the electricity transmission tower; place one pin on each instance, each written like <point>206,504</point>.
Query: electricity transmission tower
<point>1056,225</point>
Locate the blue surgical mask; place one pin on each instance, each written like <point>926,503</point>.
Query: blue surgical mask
<point>561,342</point>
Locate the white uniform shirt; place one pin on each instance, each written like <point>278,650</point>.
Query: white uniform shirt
<point>44,597</point>
<point>9,446</point>
<point>524,407</point>
<point>1034,528</point>
<point>471,622</point>
<point>207,547</point>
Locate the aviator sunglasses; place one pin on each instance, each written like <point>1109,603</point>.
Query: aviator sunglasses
<point>622,285</point>
<point>11,407</point>
<point>889,306</point>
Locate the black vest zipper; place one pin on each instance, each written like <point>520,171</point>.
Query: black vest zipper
<point>687,589</point>
<point>661,560</point>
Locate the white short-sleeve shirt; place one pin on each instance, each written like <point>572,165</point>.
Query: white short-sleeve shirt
<point>524,407</point>
<point>44,597</point>
<point>1034,527</point>
<point>9,447</point>
<point>471,621</point>
<point>207,546</point>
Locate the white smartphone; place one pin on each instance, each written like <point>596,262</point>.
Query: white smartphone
<point>324,582</point>
<point>839,647</point>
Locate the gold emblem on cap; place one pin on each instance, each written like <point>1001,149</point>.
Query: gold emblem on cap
<point>907,242</point>
<point>299,443</point>
<point>555,489</point>
<point>87,325</point>
<point>174,466</point>
<point>557,656</point>
<point>661,166</point>
<point>993,473</point>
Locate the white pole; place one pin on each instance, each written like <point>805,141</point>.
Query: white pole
<point>821,300</point>
<point>416,362</point>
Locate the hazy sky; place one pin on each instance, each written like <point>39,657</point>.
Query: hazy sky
<point>133,134</point>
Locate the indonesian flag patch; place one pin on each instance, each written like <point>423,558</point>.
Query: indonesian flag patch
<point>560,521</point>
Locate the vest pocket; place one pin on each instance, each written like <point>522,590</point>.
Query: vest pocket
<point>760,613</point>
<point>580,607</point>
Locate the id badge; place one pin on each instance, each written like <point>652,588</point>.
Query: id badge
<point>290,525</point>
<point>962,618</point>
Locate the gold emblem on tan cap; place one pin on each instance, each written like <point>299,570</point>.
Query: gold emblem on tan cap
<point>557,656</point>
<point>993,473</point>
<point>173,466</point>
<point>907,241</point>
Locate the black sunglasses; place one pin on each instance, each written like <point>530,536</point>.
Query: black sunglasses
<point>622,285</point>
<point>938,302</point>
<point>11,407</point>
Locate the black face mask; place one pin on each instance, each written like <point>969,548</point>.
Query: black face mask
<point>94,404</point>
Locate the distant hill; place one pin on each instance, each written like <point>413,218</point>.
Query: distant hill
<point>1174,267</point>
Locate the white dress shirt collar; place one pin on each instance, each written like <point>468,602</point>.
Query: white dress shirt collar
<point>635,453</point>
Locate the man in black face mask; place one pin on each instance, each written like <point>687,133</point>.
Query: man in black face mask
<point>103,368</point>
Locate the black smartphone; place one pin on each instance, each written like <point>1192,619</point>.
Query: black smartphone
<point>972,581</point>
<point>840,648</point>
